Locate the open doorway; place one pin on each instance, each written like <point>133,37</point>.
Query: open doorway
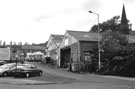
<point>65,57</point>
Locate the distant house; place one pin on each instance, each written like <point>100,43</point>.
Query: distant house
<point>53,45</point>
<point>77,47</point>
<point>31,48</point>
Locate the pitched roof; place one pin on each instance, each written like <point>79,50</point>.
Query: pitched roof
<point>57,38</point>
<point>84,36</point>
<point>124,17</point>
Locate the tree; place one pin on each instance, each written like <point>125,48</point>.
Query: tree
<point>4,43</point>
<point>20,43</point>
<point>113,44</point>
<point>11,43</point>
<point>118,56</point>
<point>112,24</point>
<point>26,43</point>
<point>14,43</point>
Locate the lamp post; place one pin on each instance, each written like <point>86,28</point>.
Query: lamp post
<point>16,56</point>
<point>99,62</point>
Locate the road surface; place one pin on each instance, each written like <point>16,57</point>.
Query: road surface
<point>68,80</point>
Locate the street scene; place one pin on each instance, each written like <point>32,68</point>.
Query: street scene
<point>67,44</point>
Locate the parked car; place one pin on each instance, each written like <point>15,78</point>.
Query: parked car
<point>27,70</point>
<point>6,69</point>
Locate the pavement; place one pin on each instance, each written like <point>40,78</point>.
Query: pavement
<point>18,81</point>
<point>120,78</point>
<point>82,77</point>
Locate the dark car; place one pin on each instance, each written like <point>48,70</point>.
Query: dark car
<point>27,70</point>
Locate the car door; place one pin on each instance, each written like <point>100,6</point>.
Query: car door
<point>33,70</point>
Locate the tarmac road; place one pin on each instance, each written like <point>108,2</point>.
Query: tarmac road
<point>57,78</point>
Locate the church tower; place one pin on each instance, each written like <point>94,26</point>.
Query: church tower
<point>124,27</point>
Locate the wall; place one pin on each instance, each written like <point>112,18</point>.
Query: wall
<point>54,54</point>
<point>68,40</point>
<point>75,52</point>
<point>86,46</point>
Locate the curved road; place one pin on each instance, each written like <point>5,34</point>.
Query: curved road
<point>68,80</point>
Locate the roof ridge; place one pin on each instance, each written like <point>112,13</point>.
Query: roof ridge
<point>57,34</point>
<point>78,31</point>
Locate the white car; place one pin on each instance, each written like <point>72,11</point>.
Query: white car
<point>6,69</point>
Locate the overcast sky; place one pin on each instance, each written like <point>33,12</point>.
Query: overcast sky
<point>34,20</point>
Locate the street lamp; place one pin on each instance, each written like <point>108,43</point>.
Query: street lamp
<point>16,56</point>
<point>99,63</point>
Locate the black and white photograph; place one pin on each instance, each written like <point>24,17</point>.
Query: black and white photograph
<point>67,44</point>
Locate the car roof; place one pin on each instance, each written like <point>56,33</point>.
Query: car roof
<point>28,65</point>
<point>25,64</point>
<point>9,64</point>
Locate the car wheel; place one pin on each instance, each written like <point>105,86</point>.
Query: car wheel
<point>27,75</point>
<point>5,74</point>
<point>40,73</point>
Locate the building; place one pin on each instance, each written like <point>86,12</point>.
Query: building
<point>32,48</point>
<point>77,47</point>
<point>5,54</point>
<point>124,26</point>
<point>53,45</point>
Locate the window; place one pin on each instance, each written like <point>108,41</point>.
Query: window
<point>66,41</point>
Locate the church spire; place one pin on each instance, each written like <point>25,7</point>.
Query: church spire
<point>124,17</point>
<point>124,22</point>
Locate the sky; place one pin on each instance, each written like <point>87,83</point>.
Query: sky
<point>33,21</point>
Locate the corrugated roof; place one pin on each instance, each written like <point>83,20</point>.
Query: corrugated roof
<point>84,36</point>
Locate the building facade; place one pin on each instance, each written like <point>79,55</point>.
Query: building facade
<point>77,47</point>
<point>52,46</point>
